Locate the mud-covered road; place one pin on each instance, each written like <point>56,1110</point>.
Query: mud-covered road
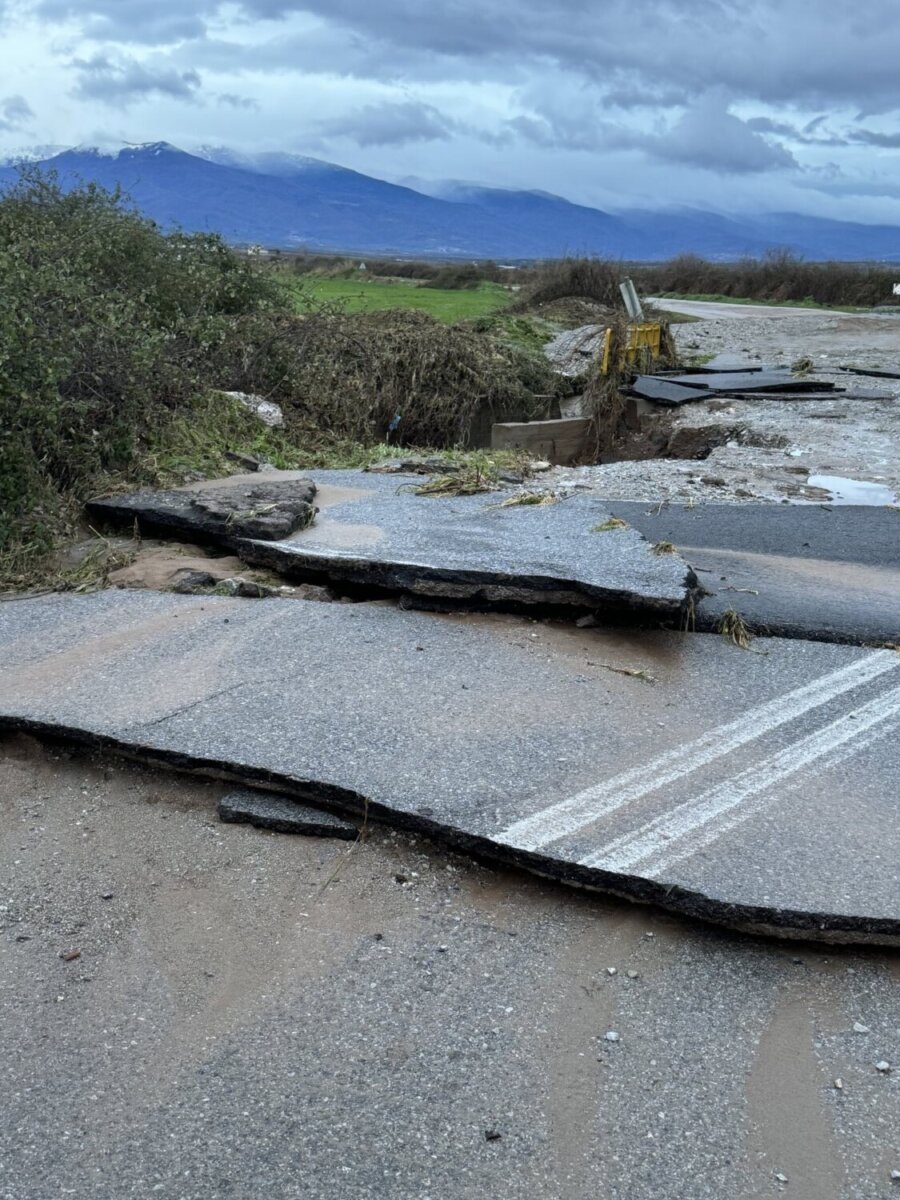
<point>252,1014</point>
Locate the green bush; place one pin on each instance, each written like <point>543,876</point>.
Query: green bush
<point>113,336</point>
<point>107,327</point>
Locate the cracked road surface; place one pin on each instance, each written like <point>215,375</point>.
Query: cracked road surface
<point>253,1014</point>
<point>751,787</point>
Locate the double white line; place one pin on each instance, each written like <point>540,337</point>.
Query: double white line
<point>592,804</point>
<point>691,826</point>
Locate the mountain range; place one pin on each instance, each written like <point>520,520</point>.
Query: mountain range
<point>294,202</point>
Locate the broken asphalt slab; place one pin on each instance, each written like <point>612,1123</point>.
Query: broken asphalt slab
<point>674,390</point>
<point>267,810</point>
<point>756,789</point>
<point>870,371</point>
<point>751,381</point>
<point>372,533</point>
<point>219,513</point>
<point>801,570</point>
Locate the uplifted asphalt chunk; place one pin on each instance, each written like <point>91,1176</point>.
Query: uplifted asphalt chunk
<point>775,380</point>
<point>751,787</point>
<point>477,549</point>
<point>218,514</point>
<point>268,810</point>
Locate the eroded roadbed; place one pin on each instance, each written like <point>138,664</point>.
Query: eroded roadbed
<point>826,573</point>
<point>753,788</point>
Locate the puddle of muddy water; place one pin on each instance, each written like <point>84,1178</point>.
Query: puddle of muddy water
<point>853,491</point>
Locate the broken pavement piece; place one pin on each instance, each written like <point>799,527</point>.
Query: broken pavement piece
<point>773,380</point>
<point>470,549</point>
<point>665,391</point>
<point>269,810</point>
<point>219,513</point>
<point>872,373</point>
<point>720,792</point>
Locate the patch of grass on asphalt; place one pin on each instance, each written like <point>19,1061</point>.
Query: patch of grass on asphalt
<point>610,524</point>
<point>529,499</point>
<point>733,629</point>
<point>477,474</point>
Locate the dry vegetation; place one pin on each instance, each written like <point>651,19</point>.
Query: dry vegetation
<point>778,277</point>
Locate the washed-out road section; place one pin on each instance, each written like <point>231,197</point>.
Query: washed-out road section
<point>373,533</point>
<point>755,788</point>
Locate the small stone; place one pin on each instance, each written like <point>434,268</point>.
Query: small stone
<point>839,1084</point>
<point>781,1178</point>
<point>858,1027</point>
<point>611,1036</point>
<point>612,970</point>
<point>491,1135</point>
<point>883,1067</point>
<point>895,1176</point>
<point>633,975</point>
<point>188,582</point>
<point>106,895</point>
<point>70,955</point>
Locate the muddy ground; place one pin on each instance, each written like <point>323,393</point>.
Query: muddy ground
<point>770,450</point>
<point>252,1014</point>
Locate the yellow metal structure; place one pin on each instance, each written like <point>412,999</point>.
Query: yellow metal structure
<point>642,346</point>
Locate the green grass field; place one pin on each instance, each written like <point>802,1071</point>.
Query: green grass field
<point>445,305</point>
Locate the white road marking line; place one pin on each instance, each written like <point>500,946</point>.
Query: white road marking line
<point>550,824</point>
<point>672,835</point>
<point>711,833</point>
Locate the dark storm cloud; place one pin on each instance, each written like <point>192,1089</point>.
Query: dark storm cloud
<point>710,137</point>
<point>156,22</point>
<point>805,135</point>
<point>15,112</point>
<point>389,124</point>
<point>705,136</point>
<point>869,137</point>
<point>123,81</point>
<point>813,52</point>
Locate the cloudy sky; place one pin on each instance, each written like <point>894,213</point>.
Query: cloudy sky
<point>729,104</point>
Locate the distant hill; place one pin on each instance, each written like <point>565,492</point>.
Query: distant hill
<point>292,201</point>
